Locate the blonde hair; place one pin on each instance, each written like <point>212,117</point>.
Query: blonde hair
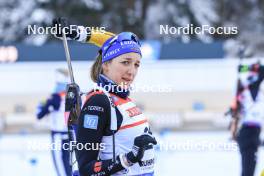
<point>96,68</point>
<point>62,71</point>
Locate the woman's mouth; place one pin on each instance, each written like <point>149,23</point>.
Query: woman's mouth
<point>126,81</point>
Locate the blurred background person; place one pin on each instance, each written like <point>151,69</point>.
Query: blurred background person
<point>248,113</point>
<point>54,107</point>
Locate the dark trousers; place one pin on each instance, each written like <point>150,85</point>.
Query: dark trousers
<point>60,156</point>
<point>248,141</point>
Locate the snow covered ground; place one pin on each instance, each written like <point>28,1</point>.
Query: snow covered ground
<point>178,154</point>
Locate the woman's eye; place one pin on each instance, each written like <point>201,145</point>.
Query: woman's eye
<point>137,65</point>
<point>125,62</point>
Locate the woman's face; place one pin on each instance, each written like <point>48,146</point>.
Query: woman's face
<point>123,69</point>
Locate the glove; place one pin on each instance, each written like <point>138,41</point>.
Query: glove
<point>71,31</point>
<point>39,109</point>
<point>141,143</point>
<point>73,102</point>
<point>234,113</point>
<point>233,129</point>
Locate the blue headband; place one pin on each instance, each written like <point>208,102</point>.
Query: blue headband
<point>125,42</point>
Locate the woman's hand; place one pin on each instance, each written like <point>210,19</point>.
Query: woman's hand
<point>141,143</point>
<point>233,128</point>
<point>73,102</point>
<point>62,25</point>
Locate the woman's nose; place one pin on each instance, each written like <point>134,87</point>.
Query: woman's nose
<point>132,70</point>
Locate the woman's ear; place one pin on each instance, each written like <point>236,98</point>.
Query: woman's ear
<point>105,67</point>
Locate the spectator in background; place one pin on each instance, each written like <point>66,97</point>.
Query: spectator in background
<point>248,112</point>
<point>54,106</point>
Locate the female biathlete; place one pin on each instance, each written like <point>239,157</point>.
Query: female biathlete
<point>113,131</point>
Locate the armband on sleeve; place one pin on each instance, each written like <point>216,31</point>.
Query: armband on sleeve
<point>93,36</point>
<point>98,37</point>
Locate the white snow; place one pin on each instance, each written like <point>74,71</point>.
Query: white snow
<point>182,154</point>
